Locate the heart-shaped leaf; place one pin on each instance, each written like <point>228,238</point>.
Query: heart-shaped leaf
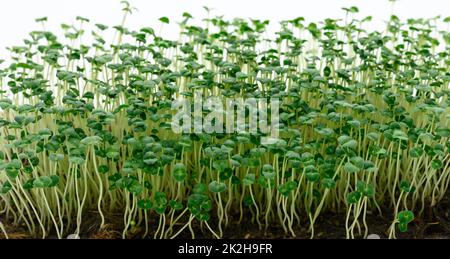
<point>145,204</point>
<point>405,216</point>
<point>217,187</point>
<point>353,197</point>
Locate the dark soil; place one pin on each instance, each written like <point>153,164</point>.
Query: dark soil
<point>435,224</point>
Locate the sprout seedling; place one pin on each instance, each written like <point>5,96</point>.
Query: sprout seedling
<point>362,125</point>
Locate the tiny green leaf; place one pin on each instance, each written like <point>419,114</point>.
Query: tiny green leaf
<point>353,197</point>
<point>217,187</point>
<point>405,216</point>
<point>351,168</point>
<point>179,172</point>
<point>145,204</point>
<point>164,20</point>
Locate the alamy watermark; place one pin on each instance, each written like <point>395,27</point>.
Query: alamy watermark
<point>226,115</point>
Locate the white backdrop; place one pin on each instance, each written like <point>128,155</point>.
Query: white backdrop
<point>17,16</point>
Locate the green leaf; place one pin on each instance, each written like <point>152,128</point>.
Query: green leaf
<point>268,172</point>
<point>249,179</point>
<point>226,174</point>
<point>373,136</point>
<point>437,164</point>
<point>329,183</point>
<point>325,132</point>
<point>369,191</point>
<point>416,152</point>
<point>327,71</point>
<point>112,154</point>
<point>443,132</point>
<point>355,123</point>
<point>145,204</point>
<point>175,205</point>
<point>102,27</point>
<point>148,185</point>
<point>206,205</point>
<point>12,173</point>
<point>42,182</point>
<point>353,197</point>
<point>160,209</point>
<point>312,177</point>
<point>94,140</point>
<point>351,168</point>
<point>400,135</point>
<point>217,187</point>
<point>56,157</point>
<point>344,139</point>
<point>203,217</point>
<point>235,180</point>
<point>28,185</point>
<point>220,165</point>
<point>102,60</point>
<point>15,164</point>
<point>164,20</point>
<point>45,132</point>
<point>360,186</point>
<point>148,30</point>
<point>369,166</point>
<point>55,180</point>
<point>199,205</point>
<point>136,189</point>
<point>160,202</point>
<point>103,169</point>
<point>179,172</point>
<point>352,144</point>
<point>5,188</point>
<point>406,187</point>
<point>76,160</point>
<point>264,182</point>
<point>187,15</point>
<point>283,189</point>
<point>248,201</point>
<point>200,188</point>
<point>405,216</point>
<point>357,161</point>
<point>291,185</point>
<point>42,19</point>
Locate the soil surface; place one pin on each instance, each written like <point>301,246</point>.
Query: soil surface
<point>434,224</point>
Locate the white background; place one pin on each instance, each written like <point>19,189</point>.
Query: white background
<point>17,16</point>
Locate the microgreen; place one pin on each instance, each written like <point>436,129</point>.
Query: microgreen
<point>363,124</point>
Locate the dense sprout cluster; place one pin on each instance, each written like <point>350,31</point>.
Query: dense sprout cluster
<point>363,126</point>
